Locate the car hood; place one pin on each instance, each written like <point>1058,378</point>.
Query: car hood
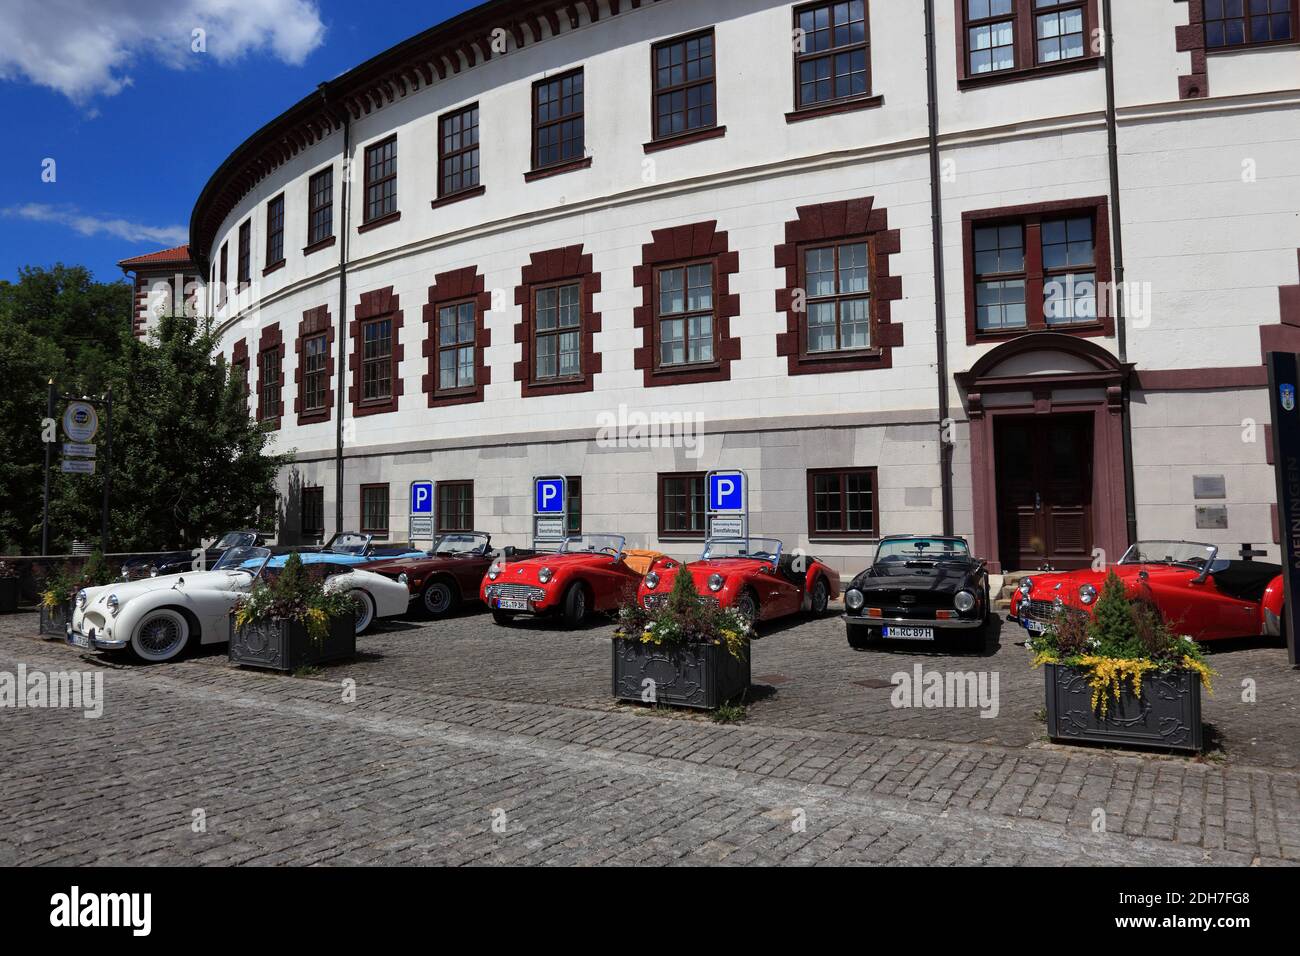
<point>422,564</point>
<point>1044,585</point>
<point>942,575</point>
<point>206,580</point>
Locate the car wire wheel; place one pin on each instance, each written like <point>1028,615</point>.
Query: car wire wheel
<point>161,635</point>
<point>365,610</point>
<point>821,596</point>
<point>747,605</point>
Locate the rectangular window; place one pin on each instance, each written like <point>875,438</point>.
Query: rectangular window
<point>275,231</point>
<point>315,373</point>
<point>830,58</point>
<point>558,134</point>
<point>456,348</point>
<point>1059,30</point>
<point>244,263</point>
<point>313,512</point>
<point>573,505</point>
<point>377,361</point>
<point>374,510</point>
<point>685,314</point>
<point>557,332</point>
<point>685,95</point>
<point>837,285</point>
<point>1000,277</point>
<point>1230,23</point>
<point>1069,271</point>
<point>225,273</point>
<point>320,206</point>
<point>455,506</point>
<point>843,502</point>
<point>1011,36</point>
<point>681,505</point>
<point>458,151</point>
<point>269,386</point>
<point>381,179</point>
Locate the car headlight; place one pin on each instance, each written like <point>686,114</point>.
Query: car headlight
<point>401,578</point>
<point>493,573</point>
<point>652,580</point>
<point>112,603</point>
<point>545,575</point>
<point>963,601</point>
<point>1026,585</point>
<point>153,572</point>
<point>82,598</point>
<point>854,600</point>
<point>716,581</point>
<point>1087,594</point>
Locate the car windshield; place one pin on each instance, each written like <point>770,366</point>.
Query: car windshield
<point>611,544</point>
<point>1182,553</point>
<point>460,544</point>
<point>922,549</point>
<point>250,560</point>
<point>234,539</point>
<point>759,549</point>
<point>348,542</point>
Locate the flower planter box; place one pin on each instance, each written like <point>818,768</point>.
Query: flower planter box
<point>285,645</point>
<point>1168,714</point>
<point>703,676</point>
<point>54,620</point>
<point>8,595</point>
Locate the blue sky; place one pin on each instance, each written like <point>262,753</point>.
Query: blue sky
<point>136,122</point>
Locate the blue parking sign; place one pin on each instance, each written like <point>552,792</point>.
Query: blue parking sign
<point>727,491</point>
<point>549,496</point>
<point>422,497</point>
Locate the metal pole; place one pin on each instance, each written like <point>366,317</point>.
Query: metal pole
<point>45,508</point>
<point>108,469</point>
<point>344,228</point>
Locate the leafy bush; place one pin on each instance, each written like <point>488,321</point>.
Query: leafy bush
<point>1125,638</point>
<point>685,618</point>
<point>294,595</point>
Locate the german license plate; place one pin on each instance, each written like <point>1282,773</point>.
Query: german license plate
<point>1035,627</point>
<point>78,640</point>
<point>910,633</point>
<point>510,604</point>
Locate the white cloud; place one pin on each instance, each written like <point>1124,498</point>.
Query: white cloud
<point>85,48</point>
<point>88,225</point>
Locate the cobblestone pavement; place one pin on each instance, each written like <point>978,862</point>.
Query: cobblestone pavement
<point>460,724</point>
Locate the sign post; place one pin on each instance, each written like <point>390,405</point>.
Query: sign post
<point>550,515</point>
<point>420,526</point>
<point>79,452</point>
<point>727,511</point>
<point>1283,379</point>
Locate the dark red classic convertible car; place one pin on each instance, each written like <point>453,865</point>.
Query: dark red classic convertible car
<point>592,572</point>
<point>751,575</point>
<point>1197,592</point>
<point>448,573</point>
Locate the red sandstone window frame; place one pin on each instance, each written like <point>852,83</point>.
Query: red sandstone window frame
<point>1292,11</point>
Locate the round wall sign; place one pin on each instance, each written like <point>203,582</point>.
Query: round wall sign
<point>80,421</point>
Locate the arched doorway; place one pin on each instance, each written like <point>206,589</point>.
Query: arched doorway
<point>1047,465</point>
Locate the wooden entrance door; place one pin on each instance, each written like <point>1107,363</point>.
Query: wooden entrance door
<point>1044,478</point>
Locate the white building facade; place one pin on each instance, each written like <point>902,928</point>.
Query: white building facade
<point>476,258</point>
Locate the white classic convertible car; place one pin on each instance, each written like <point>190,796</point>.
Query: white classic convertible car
<point>157,618</point>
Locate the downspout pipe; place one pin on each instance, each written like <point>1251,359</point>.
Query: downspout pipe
<point>946,438</point>
<point>343,225</point>
<point>1117,249</point>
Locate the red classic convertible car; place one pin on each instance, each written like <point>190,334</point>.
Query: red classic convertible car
<point>751,575</point>
<point>589,573</point>
<point>448,573</point>
<point>1197,592</point>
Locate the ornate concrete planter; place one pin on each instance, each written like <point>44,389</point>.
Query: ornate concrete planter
<point>691,675</point>
<point>8,595</point>
<point>54,620</point>
<point>1168,714</point>
<point>285,645</point>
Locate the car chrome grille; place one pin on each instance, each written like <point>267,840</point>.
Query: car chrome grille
<point>515,592</point>
<point>654,601</point>
<point>1044,610</point>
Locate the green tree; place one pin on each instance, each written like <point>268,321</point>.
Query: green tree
<point>1112,625</point>
<point>27,363</point>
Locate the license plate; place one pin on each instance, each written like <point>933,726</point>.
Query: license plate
<point>910,633</point>
<point>1035,627</point>
<point>78,640</point>
<point>508,604</point>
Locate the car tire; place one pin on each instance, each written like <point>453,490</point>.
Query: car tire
<point>439,598</point>
<point>365,610</point>
<point>161,635</point>
<point>747,604</point>
<point>821,596</point>
<point>859,638</point>
<point>504,618</point>
<point>575,605</point>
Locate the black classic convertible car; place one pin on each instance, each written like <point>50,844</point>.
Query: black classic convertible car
<point>198,559</point>
<point>918,589</point>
